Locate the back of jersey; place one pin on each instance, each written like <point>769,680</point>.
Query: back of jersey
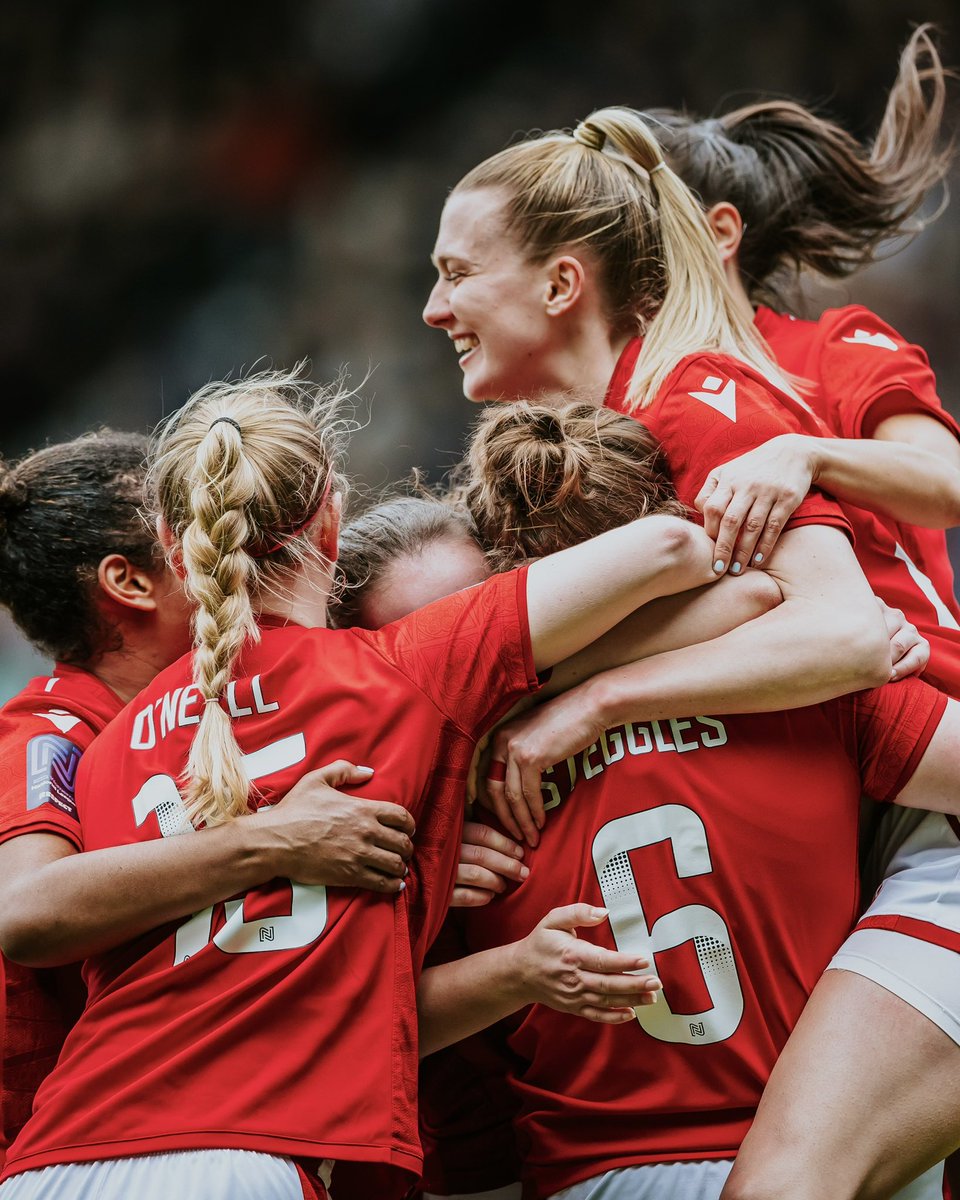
<point>282,1020</point>
<point>726,850</point>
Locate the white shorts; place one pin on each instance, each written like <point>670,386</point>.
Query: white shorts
<point>699,1181</point>
<point>654,1181</point>
<point>908,940</point>
<point>184,1174</point>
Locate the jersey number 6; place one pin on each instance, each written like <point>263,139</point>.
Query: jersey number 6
<point>683,829</point>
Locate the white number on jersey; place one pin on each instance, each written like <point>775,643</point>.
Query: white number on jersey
<point>683,829</point>
<point>307,917</point>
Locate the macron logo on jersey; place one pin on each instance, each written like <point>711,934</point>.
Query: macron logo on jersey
<point>63,720</point>
<point>863,337</point>
<point>719,395</point>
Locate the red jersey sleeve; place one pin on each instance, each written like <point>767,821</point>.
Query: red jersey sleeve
<point>714,409</point>
<point>470,653</point>
<point>867,372</point>
<point>893,726</point>
<point>43,732</point>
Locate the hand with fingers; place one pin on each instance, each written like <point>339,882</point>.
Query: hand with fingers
<point>489,861</point>
<point>909,649</point>
<point>746,503</point>
<point>524,747</point>
<point>572,975</point>
<point>323,836</point>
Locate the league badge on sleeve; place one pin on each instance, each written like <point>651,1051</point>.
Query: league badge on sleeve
<point>52,772</point>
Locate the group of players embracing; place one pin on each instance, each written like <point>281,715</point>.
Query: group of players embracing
<point>691,573</point>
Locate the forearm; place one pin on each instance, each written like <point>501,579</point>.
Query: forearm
<point>770,664</point>
<point>905,482</point>
<point>460,998</point>
<point>86,903</point>
<point>667,624</point>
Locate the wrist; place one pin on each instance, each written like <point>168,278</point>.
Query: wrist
<point>602,698</point>
<point>514,982</point>
<point>814,455</point>
<point>259,848</point>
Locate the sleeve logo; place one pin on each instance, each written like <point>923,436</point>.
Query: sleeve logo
<point>863,337</point>
<point>52,773</point>
<point>719,395</point>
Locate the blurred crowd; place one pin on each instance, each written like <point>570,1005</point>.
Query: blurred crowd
<point>191,188</point>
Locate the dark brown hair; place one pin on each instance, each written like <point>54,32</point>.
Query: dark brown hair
<point>538,479</point>
<point>811,195</point>
<point>62,510</point>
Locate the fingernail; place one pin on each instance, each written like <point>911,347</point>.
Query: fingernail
<point>538,821</point>
<point>524,872</point>
<point>893,675</point>
<point>599,913</point>
<point>758,558</point>
<point>366,770</point>
<point>736,568</point>
<point>403,886</point>
<point>643,962</point>
<point>718,566</point>
<point>653,985</point>
<point>517,851</point>
<point>406,872</point>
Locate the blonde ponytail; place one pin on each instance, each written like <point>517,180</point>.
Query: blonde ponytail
<point>240,473</point>
<point>606,187</point>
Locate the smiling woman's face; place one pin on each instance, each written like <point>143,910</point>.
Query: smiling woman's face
<point>490,300</point>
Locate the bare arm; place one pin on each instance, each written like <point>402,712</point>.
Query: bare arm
<point>551,966</point>
<point>686,619</point>
<point>909,470</point>
<point>827,638</point>
<point>578,594</point>
<point>57,906</point>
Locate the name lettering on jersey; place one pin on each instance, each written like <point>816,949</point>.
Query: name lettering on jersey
<point>52,763</point>
<point>63,720</point>
<point>863,337</point>
<point>183,706</point>
<point>677,735</point>
<point>51,683</point>
<point>719,395</point>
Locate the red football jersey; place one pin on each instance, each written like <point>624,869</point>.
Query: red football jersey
<point>712,409</point>
<point>726,848</point>
<point>862,372</point>
<point>43,732</point>
<point>284,1020</point>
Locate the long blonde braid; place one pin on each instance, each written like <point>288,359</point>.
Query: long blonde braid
<point>239,473</point>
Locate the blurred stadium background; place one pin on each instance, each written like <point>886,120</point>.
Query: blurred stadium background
<point>189,188</point>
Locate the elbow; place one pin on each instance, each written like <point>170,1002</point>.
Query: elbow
<point>686,553</point>
<point>22,938</point>
<point>863,651</point>
<point>763,593</point>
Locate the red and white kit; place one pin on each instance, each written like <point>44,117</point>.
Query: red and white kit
<point>863,372</point>
<point>712,409</point>
<point>283,1020</point>
<point>43,732</point>
<point>725,847</point>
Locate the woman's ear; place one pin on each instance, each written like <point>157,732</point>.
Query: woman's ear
<point>565,285</point>
<point>727,228</point>
<point>170,548</point>
<point>125,583</point>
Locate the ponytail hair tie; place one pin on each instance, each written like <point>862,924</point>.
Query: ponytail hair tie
<point>590,136</point>
<point>229,421</point>
<point>661,166</point>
